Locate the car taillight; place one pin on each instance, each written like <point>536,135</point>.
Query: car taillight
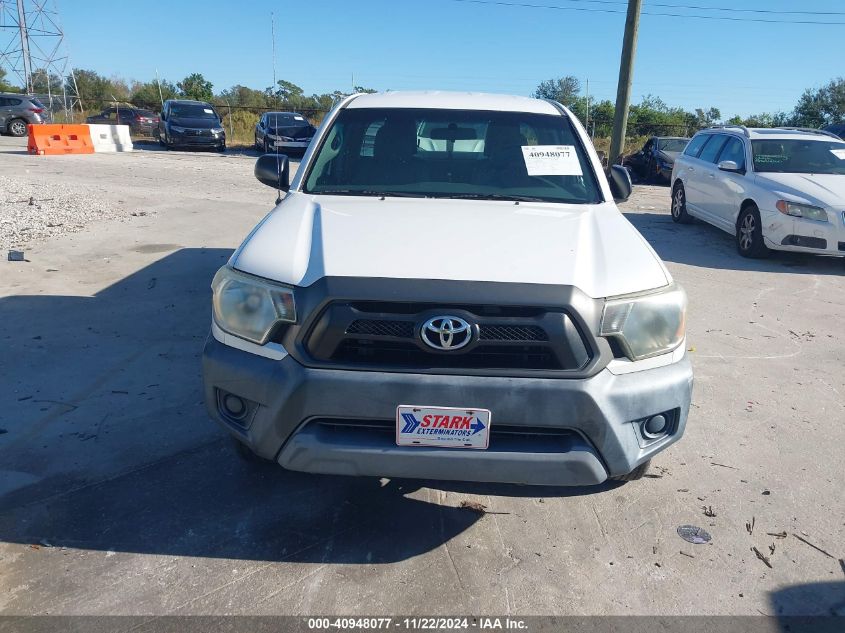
<point>37,110</point>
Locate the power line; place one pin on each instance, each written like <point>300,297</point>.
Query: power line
<point>527,5</point>
<point>705,8</point>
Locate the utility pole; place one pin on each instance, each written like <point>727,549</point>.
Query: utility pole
<point>626,72</point>
<point>273,33</point>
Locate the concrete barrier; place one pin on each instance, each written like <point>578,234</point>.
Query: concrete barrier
<point>110,138</point>
<point>55,139</point>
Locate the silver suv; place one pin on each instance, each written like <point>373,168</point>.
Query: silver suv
<point>17,111</point>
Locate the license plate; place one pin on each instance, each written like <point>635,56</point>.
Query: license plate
<point>447,427</point>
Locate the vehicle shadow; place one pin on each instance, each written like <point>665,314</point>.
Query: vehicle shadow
<point>150,145</point>
<point>700,244</point>
<point>809,607</point>
<point>106,444</point>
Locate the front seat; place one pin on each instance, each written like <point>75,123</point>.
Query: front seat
<point>504,165</point>
<point>394,159</point>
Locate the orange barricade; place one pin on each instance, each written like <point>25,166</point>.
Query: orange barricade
<point>53,139</point>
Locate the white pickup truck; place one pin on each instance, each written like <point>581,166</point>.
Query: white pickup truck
<point>447,290</point>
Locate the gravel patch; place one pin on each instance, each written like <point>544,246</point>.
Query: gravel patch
<point>33,211</point>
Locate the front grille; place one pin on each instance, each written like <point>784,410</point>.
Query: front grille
<point>408,355</point>
<point>386,336</point>
<point>398,329</point>
<point>512,333</point>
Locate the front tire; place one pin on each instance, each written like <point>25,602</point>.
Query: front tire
<point>17,127</point>
<point>749,233</point>
<point>679,205</point>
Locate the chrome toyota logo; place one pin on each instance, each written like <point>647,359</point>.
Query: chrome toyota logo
<point>446,333</point>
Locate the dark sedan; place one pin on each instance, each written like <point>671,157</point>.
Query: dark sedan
<point>657,157</point>
<point>139,121</point>
<point>286,131</point>
<point>191,124</point>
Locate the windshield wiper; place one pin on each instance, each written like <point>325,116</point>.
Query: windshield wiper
<point>368,192</point>
<point>492,196</point>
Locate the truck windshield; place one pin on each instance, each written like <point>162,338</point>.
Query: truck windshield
<point>803,156</point>
<point>438,153</point>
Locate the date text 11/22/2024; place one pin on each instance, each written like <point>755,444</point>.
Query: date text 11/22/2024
<point>418,623</point>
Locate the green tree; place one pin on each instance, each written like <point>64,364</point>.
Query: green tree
<point>42,83</point>
<point>361,89</point>
<point>564,90</point>
<point>4,85</point>
<point>146,94</point>
<point>820,107</point>
<point>244,97</point>
<point>195,86</point>
<point>92,89</point>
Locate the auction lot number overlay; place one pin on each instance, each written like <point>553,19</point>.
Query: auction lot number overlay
<point>417,624</point>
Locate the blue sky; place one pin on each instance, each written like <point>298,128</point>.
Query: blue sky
<point>739,67</point>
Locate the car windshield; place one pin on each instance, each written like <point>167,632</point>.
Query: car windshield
<point>672,144</point>
<point>192,111</point>
<point>799,156</point>
<point>286,120</point>
<point>469,154</point>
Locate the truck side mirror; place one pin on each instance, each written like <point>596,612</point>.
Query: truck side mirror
<point>620,183</point>
<point>273,170</point>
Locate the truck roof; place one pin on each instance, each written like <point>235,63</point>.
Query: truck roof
<point>453,101</point>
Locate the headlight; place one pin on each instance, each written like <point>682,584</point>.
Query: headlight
<point>287,139</point>
<point>798,210</point>
<point>249,307</point>
<point>217,130</point>
<point>647,325</point>
<point>177,129</point>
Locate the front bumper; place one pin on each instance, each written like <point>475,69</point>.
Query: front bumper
<point>184,140</point>
<point>786,233</point>
<point>289,402</point>
<point>298,145</point>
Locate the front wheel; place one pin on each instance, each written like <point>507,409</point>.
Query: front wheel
<point>679,205</point>
<point>17,127</point>
<point>749,233</point>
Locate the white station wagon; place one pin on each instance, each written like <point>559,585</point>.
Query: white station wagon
<point>778,188</point>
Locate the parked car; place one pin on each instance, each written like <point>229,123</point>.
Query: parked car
<point>656,158</point>
<point>192,124</point>
<point>778,188</point>
<point>287,131</point>
<point>18,110</point>
<point>470,305</point>
<point>837,129</point>
<point>139,121</point>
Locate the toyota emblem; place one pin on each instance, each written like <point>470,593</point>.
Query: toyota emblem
<point>446,333</point>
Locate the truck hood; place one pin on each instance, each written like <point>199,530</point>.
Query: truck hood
<point>825,190</point>
<point>593,248</point>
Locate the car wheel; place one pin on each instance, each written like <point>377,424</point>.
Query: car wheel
<point>635,474</point>
<point>749,233</point>
<point>266,147</point>
<point>257,144</point>
<point>222,148</point>
<point>17,127</point>
<point>679,205</point>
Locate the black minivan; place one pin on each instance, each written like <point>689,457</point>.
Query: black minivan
<point>191,124</point>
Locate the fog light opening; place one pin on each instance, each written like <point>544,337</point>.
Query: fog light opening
<point>655,426</point>
<point>235,406</point>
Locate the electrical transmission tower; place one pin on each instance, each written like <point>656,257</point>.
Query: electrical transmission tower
<point>32,48</point>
